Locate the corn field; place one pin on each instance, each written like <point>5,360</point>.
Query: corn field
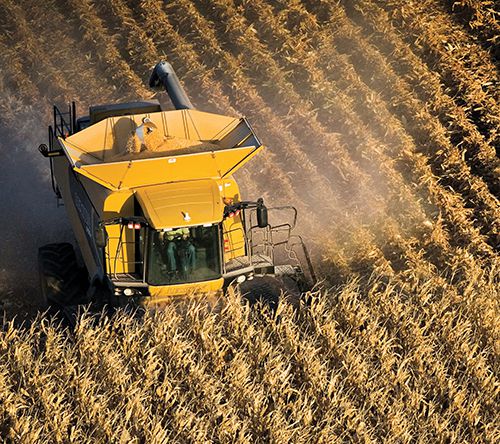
<point>382,126</point>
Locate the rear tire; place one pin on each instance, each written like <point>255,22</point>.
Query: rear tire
<point>62,282</point>
<point>269,290</point>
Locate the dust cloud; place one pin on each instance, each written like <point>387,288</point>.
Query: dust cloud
<point>30,216</point>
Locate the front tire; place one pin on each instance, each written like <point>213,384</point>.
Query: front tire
<point>62,282</point>
<point>269,290</point>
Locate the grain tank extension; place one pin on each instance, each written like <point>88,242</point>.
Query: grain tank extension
<point>155,209</point>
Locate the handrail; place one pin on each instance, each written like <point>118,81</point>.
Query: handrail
<point>269,244</point>
<point>119,248</point>
<point>306,255</point>
<point>230,231</point>
<point>61,127</point>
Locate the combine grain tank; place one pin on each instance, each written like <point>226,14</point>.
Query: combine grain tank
<point>156,211</point>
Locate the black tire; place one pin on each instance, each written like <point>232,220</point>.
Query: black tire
<point>62,282</point>
<point>268,289</point>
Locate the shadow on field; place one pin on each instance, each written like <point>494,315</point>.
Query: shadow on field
<point>29,214</point>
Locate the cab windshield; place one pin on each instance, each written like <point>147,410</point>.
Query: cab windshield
<point>184,255</point>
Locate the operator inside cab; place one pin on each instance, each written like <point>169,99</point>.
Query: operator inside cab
<point>185,254</point>
<point>181,253</point>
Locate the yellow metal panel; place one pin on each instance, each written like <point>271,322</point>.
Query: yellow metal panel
<point>166,293</point>
<point>116,205</point>
<point>181,204</point>
<point>110,174</point>
<point>131,174</point>
<point>96,192</point>
<point>234,239</point>
<point>107,138</point>
<point>94,141</point>
<point>211,126</point>
<point>119,204</point>
<point>94,178</point>
<point>230,160</point>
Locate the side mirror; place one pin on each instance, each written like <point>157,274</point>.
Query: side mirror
<point>101,236</point>
<point>261,214</point>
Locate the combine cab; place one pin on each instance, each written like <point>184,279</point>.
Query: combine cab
<point>156,211</point>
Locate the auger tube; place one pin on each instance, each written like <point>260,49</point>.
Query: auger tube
<point>164,74</point>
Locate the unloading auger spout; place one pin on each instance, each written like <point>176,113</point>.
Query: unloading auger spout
<point>164,74</point>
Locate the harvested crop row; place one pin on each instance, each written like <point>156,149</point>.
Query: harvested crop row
<point>235,34</point>
<point>132,41</point>
<point>430,131</point>
<point>22,99</point>
<point>370,156</point>
<point>481,18</point>
<point>14,77</point>
<point>282,42</point>
<point>86,82</point>
<point>102,44</point>
<point>228,64</point>
<point>282,95</point>
<point>429,35</point>
<point>480,155</point>
<point>24,41</point>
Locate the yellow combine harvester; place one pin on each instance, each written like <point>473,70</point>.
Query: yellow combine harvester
<point>155,209</point>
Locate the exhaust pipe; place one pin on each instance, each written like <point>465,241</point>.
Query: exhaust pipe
<point>164,74</point>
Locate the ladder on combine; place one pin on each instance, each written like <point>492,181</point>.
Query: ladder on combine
<point>64,126</point>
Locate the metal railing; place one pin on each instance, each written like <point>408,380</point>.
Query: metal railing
<point>139,265</point>
<point>226,233</point>
<point>64,122</point>
<point>269,241</point>
<point>64,125</point>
